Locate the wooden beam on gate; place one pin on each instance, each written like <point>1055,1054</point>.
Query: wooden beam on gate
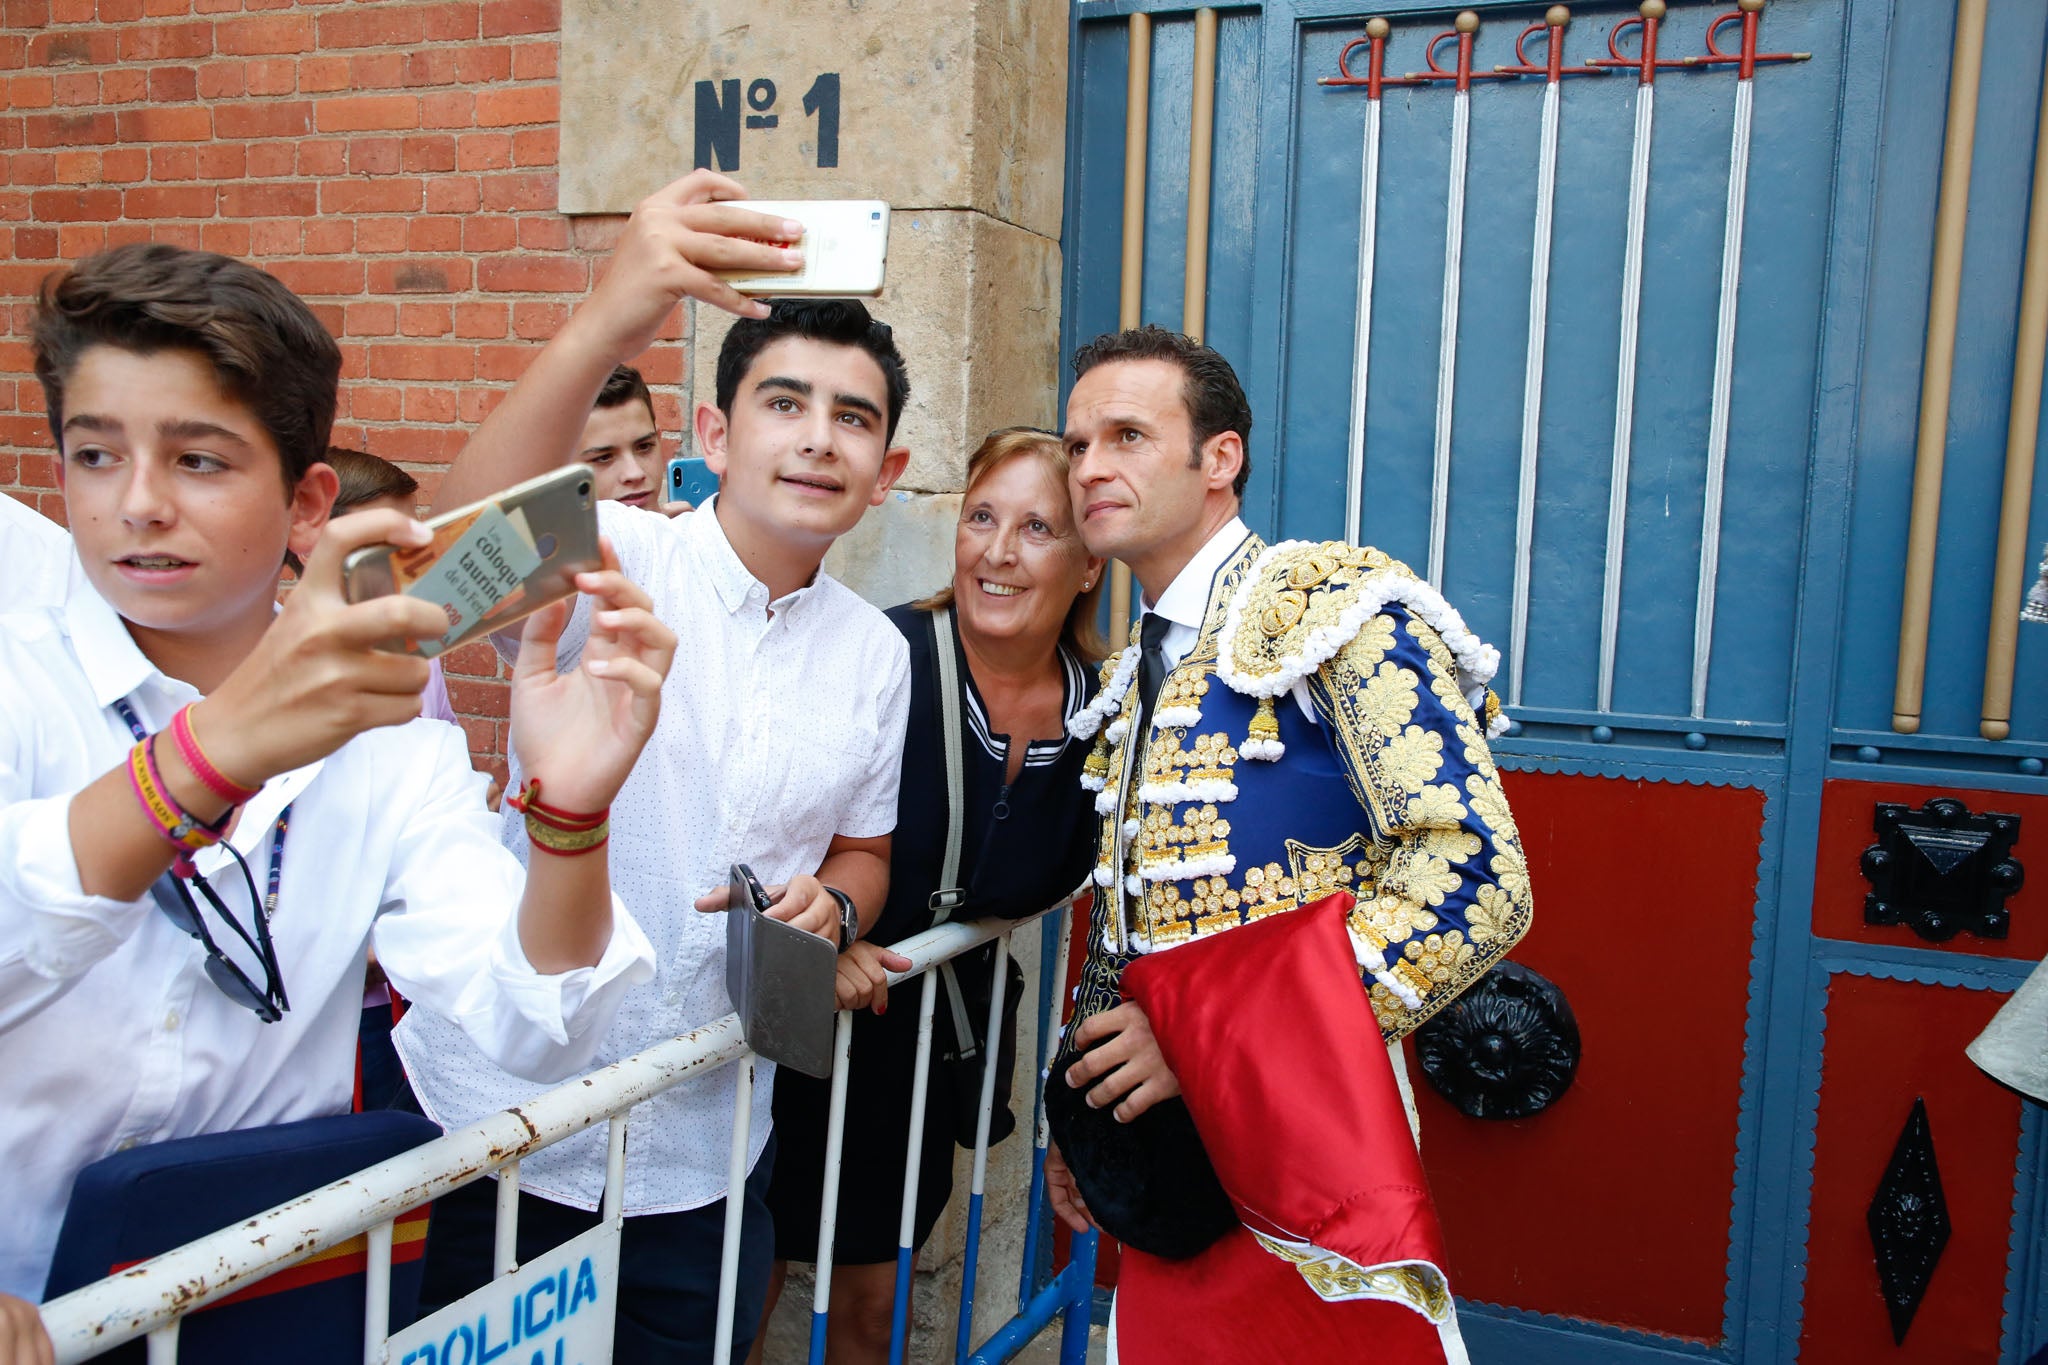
<point>1938,366</point>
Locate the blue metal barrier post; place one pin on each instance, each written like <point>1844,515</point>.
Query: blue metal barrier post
<point>1080,1309</point>
<point>1052,976</point>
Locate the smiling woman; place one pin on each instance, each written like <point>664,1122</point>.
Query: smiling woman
<point>995,563</point>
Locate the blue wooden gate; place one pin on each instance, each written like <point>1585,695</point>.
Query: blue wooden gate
<point>1694,549</point>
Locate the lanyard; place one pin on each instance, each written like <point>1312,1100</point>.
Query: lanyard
<point>284,817</point>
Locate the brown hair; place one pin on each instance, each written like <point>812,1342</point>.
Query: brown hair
<point>365,478</point>
<point>622,386</point>
<point>840,322</point>
<point>265,347</point>
<point>1079,633</point>
<point>1214,399</point>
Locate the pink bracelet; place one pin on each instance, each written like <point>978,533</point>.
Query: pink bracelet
<point>202,767</point>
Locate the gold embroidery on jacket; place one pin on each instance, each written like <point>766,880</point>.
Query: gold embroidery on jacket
<point>1419,1285</point>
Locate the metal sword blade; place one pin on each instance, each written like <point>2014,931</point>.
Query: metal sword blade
<point>1361,341</point>
<point>1625,390</point>
<point>1532,388</point>
<point>1724,387</point>
<point>1447,346</point>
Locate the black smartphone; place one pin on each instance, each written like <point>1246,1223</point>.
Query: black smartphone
<point>780,979</point>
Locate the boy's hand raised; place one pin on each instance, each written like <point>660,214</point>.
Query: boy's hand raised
<point>677,237</point>
<point>668,251</point>
<point>581,731</point>
<point>317,679</point>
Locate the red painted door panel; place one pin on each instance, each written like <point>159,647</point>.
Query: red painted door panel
<point>1888,1043</point>
<point>1614,1204</point>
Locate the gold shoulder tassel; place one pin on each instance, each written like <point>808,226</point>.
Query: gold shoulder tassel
<point>1095,771</point>
<point>1262,739</point>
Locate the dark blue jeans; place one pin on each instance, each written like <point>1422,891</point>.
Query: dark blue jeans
<point>668,1265</point>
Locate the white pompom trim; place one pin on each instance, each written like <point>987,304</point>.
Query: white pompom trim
<point>1131,828</point>
<point>1110,700</point>
<point>1180,716</point>
<point>1105,875</point>
<point>1105,801</point>
<point>1375,962</point>
<point>1174,793</point>
<point>1477,661</point>
<point>1266,750</point>
<point>1093,783</point>
<point>1134,886</point>
<point>1181,869</point>
<point>1118,728</point>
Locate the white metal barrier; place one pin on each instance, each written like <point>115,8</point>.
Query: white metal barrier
<point>152,1298</point>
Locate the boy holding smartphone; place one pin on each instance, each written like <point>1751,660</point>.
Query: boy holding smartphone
<point>169,726</point>
<point>780,744</point>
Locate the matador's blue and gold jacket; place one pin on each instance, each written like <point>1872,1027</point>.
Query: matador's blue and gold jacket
<point>1237,805</point>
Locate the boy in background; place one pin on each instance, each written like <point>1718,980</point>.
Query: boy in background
<point>622,442</point>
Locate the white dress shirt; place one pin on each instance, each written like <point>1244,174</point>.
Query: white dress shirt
<point>36,559</point>
<point>112,1035</point>
<point>1186,600</point>
<point>781,726</point>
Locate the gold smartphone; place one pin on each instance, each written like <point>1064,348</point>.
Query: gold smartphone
<point>492,563</point>
<point>845,246</point>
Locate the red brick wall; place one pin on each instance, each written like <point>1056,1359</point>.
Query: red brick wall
<point>393,162</point>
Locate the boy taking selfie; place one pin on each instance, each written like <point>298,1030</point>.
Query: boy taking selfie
<point>780,743</point>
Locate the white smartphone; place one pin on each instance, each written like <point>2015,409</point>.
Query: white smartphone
<point>845,246</point>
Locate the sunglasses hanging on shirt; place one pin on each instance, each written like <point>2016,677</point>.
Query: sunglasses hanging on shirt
<point>173,896</point>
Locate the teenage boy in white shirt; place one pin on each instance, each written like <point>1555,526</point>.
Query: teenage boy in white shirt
<point>780,746</point>
<point>170,708</point>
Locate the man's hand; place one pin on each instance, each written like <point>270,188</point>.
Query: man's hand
<point>1125,1058</point>
<point>580,732</point>
<point>317,678</point>
<point>802,901</point>
<point>22,1338</point>
<point>864,976</point>
<point>676,508</point>
<point>677,237</point>
<point>1067,1203</point>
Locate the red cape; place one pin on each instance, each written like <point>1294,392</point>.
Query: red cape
<point>1280,1061</point>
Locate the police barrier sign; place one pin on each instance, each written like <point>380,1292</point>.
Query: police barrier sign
<point>555,1310</point>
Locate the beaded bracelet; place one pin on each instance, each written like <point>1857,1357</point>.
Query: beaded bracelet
<point>185,832</point>
<point>553,830</point>
<point>210,777</point>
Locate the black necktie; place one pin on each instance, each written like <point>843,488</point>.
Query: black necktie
<point>1151,666</point>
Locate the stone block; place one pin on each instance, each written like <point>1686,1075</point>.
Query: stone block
<point>901,550</point>
<point>924,103</point>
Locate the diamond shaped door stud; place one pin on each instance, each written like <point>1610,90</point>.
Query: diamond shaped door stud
<point>1908,1219</point>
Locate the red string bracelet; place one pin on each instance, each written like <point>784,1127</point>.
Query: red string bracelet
<point>557,831</point>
